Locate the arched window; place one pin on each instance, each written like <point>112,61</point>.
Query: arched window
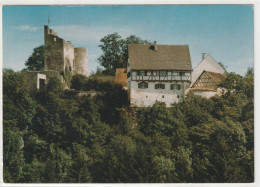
<point>142,85</point>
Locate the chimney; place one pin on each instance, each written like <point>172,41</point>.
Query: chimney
<point>155,46</point>
<point>203,55</point>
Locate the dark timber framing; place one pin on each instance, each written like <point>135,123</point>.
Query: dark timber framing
<point>160,75</point>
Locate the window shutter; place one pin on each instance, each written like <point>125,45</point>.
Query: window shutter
<point>171,87</point>
<point>139,85</point>
<point>146,85</point>
<point>155,86</point>
<point>179,87</point>
<point>163,86</point>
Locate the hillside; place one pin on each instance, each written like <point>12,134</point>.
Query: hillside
<point>54,136</point>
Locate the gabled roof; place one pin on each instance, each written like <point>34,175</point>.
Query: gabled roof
<point>207,64</point>
<point>216,77</point>
<point>166,57</point>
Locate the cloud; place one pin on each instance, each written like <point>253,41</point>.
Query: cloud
<point>80,34</point>
<point>27,28</point>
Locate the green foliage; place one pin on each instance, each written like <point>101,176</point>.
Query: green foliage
<point>54,85</point>
<point>12,153</point>
<point>68,75</point>
<point>115,51</point>
<point>220,147</point>
<point>56,136</point>
<point>78,81</point>
<point>222,65</point>
<point>36,61</point>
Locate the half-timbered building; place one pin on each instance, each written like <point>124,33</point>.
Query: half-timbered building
<point>206,77</point>
<point>158,73</point>
<point>207,84</point>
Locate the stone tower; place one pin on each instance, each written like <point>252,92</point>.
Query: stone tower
<point>60,55</point>
<point>81,61</point>
<point>53,50</point>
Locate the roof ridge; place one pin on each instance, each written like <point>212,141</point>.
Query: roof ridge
<point>162,44</point>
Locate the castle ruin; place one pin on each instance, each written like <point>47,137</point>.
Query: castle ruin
<point>60,58</point>
<point>60,55</point>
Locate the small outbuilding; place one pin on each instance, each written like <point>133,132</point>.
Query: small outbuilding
<point>207,84</point>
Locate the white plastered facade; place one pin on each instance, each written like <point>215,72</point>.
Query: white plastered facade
<point>148,96</point>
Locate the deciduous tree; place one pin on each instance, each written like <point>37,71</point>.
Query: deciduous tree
<point>36,61</point>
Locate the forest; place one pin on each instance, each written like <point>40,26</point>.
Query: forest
<point>55,136</point>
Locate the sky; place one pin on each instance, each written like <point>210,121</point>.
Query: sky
<point>224,31</point>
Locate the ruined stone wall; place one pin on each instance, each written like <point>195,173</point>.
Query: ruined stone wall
<point>54,47</point>
<point>60,54</point>
<point>30,80</point>
<point>52,73</point>
<point>81,61</point>
<point>68,56</point>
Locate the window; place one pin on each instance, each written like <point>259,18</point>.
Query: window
<point>159,86</point>
<point>153,73</point>
<point>181,73</point>
<point>175,73</point>
<point>142,73</point>
<point>147,96</point>
<point>41,84</point>
<point>162,73</point>
<point>54,39</point>
<point>178,96</point>
<point>142,85</point>
<point>175,87</point>
<point>162,96</point>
